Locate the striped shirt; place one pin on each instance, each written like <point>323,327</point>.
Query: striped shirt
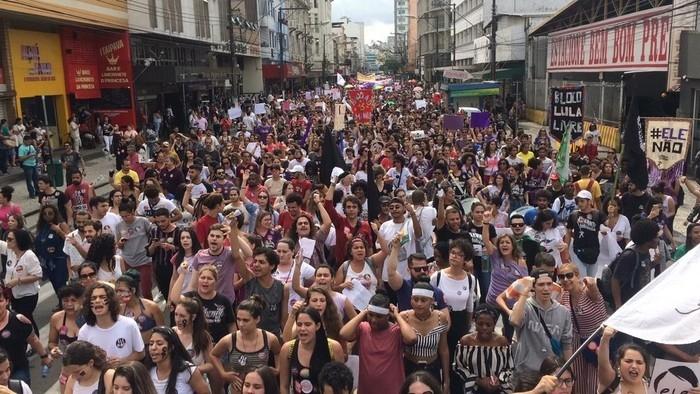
<point>474,362</point>
<point>426,347</point>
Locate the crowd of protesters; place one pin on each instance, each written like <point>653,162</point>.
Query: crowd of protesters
<point>266,252</point>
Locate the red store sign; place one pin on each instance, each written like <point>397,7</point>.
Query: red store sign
<point>638,41</point>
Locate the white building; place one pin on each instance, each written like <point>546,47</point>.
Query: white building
<point>183,49</point>
<point>356,29</point>
<point>320,30</point>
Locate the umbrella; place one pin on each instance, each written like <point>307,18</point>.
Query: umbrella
<point>348,86</point>
<point>418,89</point>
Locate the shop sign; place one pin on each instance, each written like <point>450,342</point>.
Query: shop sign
<point>38,70</point>
<point>637,41</point>
<point>36,61</point>
<point>114,60</point>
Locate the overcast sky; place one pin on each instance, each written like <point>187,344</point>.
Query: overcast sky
<point>378,16</point>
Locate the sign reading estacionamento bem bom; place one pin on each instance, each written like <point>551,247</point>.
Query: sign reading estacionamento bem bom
<point>637,41</point>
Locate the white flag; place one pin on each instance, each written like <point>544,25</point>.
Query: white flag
<point>340,80</point>
<point>667,310</point>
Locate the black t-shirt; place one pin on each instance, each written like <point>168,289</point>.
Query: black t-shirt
<point>14,338</point>
<point>444,234</point>
<point>585,227</point>
<point>218,313</point>
<point>634,205</point>
<point>633,271</point>
<point>58,199</point>
<point>72,160</point>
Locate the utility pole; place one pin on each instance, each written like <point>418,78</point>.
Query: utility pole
<point>494,27</point>
<point>323,65</point>
<point>283,75</point>
<point>436,62</point>
<point>232,51</point>
<point>454,34</point>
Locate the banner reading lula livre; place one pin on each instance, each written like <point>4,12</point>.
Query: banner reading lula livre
<point>362,105</point>
<point>667,141</point>
<point>566,110</point>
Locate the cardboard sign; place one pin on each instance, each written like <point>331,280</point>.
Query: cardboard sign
<point>667,142</point>
<point>453,122</point>
<point>673,377</point>
<point>260,109</point>
<point>235,112</point>
<point>421,104</point>
<point>566,110</point>
<point>339,117</point>
<point>480,120</point>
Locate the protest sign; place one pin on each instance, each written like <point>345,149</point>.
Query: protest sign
<point>453,122</point>
<point>667,142</point>
<point>674,377</point>
<point>480,120</point>
<point>566,110</point>
<point>362,105</point>
<point>339,117</point>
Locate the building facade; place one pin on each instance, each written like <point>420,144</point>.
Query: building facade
<point>188,52</point>
<point>321,42</point>
<point>45,78</point>
<point>401,17</point>
<point>434,26</point>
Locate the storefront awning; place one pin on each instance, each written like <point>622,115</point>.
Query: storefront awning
<point>476,89</point>
<point>502,73</point>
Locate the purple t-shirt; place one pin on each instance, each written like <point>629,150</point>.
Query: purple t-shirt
<point>224,264</point>
<point>503,274</point>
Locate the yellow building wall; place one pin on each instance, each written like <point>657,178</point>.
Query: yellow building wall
<point>37,69</point>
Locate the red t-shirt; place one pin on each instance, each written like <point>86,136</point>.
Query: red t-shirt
<point>344,232</point>
<point>286,220</point>
<point>201,228</point>
<point>381,359</point>
<point>79,196</point>
<point>301,186</point>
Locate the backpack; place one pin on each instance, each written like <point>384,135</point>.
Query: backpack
<point>588,187</point>
<point>605,281</point>
<point>16,386</point>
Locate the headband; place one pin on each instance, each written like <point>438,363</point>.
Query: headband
<point>422,293</point>
<point>378,309</point>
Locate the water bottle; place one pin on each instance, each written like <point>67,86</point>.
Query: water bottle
<point>44,371</point>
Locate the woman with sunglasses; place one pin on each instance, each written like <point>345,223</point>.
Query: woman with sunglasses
<point>545,232</point>
<point>171,367</point>
<point>587,309</point>
<point>85,365</point>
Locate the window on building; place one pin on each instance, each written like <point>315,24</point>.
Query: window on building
<point>224,12</point>
<point>172,15</point>
<point>201,18</point>
<point>153,18</point>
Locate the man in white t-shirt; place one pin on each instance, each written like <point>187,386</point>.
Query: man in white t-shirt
<point>117,335</point>
<point>77,243</point>
<point>427,217</point>
<point>154,202</point>
<point>99,210</point>
<point>409,228</point>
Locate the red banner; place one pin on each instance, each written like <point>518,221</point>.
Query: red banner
<point>114,60</point>
<point>82,81</point>
<point>362,104</point>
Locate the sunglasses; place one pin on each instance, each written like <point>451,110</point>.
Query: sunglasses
<point>10,239</point>
<point>517,225</point>
<point>568,275</point>
<point>87,276</point>
<point>424,268</point>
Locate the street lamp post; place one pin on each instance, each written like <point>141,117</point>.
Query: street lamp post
<point>306,56</point>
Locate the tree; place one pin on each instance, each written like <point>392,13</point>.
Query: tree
<point>391,66</point>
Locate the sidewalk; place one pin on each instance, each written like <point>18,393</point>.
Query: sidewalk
<point>97,167</point>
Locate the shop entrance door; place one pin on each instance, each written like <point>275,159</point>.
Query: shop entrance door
<point>42,109</point>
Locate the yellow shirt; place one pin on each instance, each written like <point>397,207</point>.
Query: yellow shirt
<point>594,188</point>
<point>119,174</point>
<point>525,157</point>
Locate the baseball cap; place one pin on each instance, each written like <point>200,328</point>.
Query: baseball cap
<point>584,194</point>
<point>554,176</point>
<point>297,168</point>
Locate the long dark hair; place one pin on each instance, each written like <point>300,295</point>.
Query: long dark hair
<point>200,332</point>
<point>112,303</point>
<point>294,233</point>
<point>41,223</point>
<point>102,249</point>
<point>689,237</point>
<point>269,379</point>
<point>330,317</point>
<point>132,279</point>
<point>180,359</point>
<point>196,246</point>
<point>137,375</point>
<point>322,352</point>
<point>81,352</point>
<point>424,377</point>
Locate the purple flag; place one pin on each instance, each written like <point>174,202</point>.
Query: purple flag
<point>453,122</point>
<point>480,120</point>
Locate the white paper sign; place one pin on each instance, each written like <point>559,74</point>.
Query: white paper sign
<point>421,104</point>
<point>254,149</point>
<point>235,112</point>
<point>335,94</point>
<point>308,95</point>
<point>260,108</point>
<point>359,296</point>
<point>417,134</point>
<point>674,377</point>
<point>307,246</point>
